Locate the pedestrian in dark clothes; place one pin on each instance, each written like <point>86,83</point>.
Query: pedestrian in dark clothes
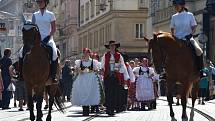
<point>5,63</point>
<point>67,80</point>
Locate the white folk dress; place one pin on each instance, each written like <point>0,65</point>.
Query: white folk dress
<point>144,84</point>
<point>86,87</point>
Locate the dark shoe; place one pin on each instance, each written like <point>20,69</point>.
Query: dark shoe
<point>177,103</point>
<point>15,105</point>
<point>46,107</point>
<point>6,108</point>
<point>203,103</point>
<point>21,109</point>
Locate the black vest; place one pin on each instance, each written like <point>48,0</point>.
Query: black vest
<point>83,67</point>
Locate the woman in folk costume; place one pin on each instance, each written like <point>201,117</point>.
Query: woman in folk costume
<point>114,72</point>
<point>144,84</point>
<point>86,87</point>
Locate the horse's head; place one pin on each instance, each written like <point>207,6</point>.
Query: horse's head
<point>31,35</point>
<point>158,55</point>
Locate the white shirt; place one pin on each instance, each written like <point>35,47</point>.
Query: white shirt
<point>182,23</point>
<point>44,22</point>
<point>131,74</point>
<point>122,67</point>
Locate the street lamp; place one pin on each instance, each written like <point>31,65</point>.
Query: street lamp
<point>203,40</point>
<point>29,4</point>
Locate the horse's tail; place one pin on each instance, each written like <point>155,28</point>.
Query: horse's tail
<point>58,100</point>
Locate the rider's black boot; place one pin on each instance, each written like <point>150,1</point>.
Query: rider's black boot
<point>54,71</point>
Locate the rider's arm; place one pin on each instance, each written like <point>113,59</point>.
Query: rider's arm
<point>53,28</point>
<point>193,29</point>
<point>172,31</point>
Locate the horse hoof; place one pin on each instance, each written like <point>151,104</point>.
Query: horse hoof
<point>48,118</point>
<point>32,118</point>
<point>173,119</point>
<point>184,119</point>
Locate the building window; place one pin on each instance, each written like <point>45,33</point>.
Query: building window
<point>97,7</point>
<point>82,14</point>
<point>92,8</point>
<point>139,31</point>
<point>87,11</point>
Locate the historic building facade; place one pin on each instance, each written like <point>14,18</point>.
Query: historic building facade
<point>67,20</point>
<point>125,21</point>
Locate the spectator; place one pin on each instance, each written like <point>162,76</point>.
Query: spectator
<point>67,80</point>
<point>20,86</point>
<point>5,63</point>
<point>203,85</point>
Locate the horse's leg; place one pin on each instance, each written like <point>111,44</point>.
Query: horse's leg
<point>194,97</point>
<point>170,98</point>
<point>39,95</point>
<point>51,101</point>
<point>184,106</point>
<point>30,103</point>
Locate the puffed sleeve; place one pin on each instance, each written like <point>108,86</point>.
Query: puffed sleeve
<point>103,62</point>
<point>95,65</point>
<point>151,71</point>
<point>99,65</point>
<point>131,74</point>
<point>123,68</point>
<point>136,70</point>
<point>77,63</point>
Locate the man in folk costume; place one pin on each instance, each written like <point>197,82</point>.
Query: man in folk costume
<point>86,89</point>
<point>114,73</point>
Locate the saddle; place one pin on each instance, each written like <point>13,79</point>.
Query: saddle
<point>187,43</point>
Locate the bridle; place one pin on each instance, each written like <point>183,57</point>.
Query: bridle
<point>163,55</point>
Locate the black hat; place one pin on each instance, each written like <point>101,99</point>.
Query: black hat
<point>178,2</point>
<point>46,1</point>
<point>112,42</point>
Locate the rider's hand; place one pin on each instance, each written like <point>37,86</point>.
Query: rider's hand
<point>46,40</point>
<point>188,37</point>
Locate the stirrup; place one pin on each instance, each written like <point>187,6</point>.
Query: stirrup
<point>54,80</point>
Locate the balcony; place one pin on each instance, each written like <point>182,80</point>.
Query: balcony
<point>163,15</point>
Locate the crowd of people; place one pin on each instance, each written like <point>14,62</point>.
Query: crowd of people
<point>113,82</point>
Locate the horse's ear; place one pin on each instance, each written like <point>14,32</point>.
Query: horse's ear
<point>146,39</point>
<point>154,36</point>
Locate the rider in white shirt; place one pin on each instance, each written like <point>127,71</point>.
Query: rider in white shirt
<point>45,20</point>
<point>183,26</point>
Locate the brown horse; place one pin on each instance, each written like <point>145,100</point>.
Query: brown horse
<point>36,70</point>
<point>177,60</point>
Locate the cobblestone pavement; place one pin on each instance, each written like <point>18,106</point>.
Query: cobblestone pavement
<point>75,113</point>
